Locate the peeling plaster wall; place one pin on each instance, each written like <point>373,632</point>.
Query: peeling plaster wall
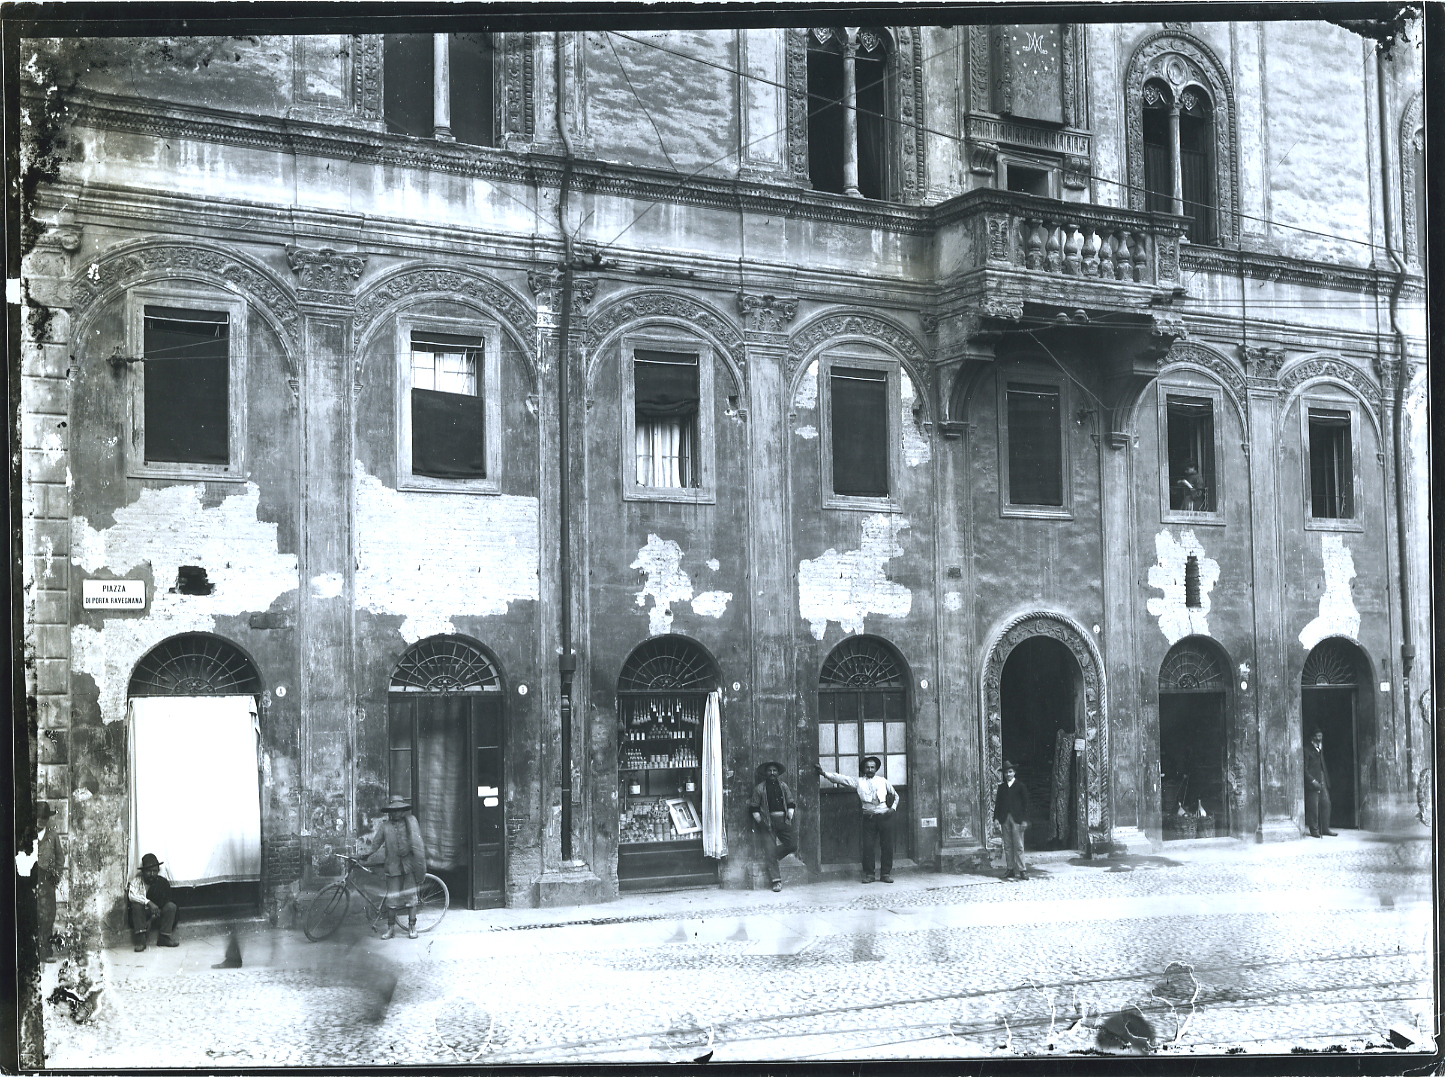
<point>162,531</point>
<point>1337,616</point>
<point>429,557</point>
<point>916,449</point>
<point>847,587</point>
<point>667,584</point>
<point>1175,617</point>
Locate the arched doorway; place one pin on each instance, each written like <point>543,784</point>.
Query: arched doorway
<point>1193,740</point>
<point>1070,684</point>
<point>1332,702</point>
<point>195,790</point>
<point>662,699</point>
<point>862,711</point>
<point>1039,695</point>
<point>446,742</point>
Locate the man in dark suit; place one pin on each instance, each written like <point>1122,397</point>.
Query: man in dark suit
<point>149,898</point>
<point>1011,811</point>
<point>49,866</point>
<point>1317,788</point>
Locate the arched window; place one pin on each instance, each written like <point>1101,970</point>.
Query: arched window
<point>1195,791</point>
<point>849,112</point>
<point>1182,152</point>
<point>195,665</point>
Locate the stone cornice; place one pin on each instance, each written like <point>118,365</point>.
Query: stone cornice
<point>1261,265</point>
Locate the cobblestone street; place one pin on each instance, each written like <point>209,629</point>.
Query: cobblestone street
<point>1311,944</point>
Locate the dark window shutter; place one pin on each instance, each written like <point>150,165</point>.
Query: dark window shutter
<point>1035,446</point>
<point>825,120</point>
<point>187,386</point>
<point>408,101</point>
<point>470,74</point>
<point>1158,179</point>
<point>446,435</point>
<point>872,126</point>
<point>860,432</point>
<point>664,383</point>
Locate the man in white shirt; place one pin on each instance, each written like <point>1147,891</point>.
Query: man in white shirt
<point>878,798</point>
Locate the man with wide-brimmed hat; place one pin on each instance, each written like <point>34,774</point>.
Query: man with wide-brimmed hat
<point>877,798</point>
<point>398,845</point>
<point>1011,811</point>
<point>49,866</point>
<point>149,899</point>
<point>773,807</point>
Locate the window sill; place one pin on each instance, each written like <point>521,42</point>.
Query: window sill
<point>189,472</point>
<point>698,495</point>
<point>422,484</point>
<point>1200,519</point>
<point>850,503</point>
<point>1036,512</point>
<point>1327,523</point>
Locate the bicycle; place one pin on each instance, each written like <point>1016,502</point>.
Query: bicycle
<point>330,906</point>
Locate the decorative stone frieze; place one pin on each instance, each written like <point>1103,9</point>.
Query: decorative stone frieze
<point>1262,363</point>
<point>325,276</point>
<point>766,313</point>
<point>1331,369</point>
<point>620,311</point>
<point>1198,355</point>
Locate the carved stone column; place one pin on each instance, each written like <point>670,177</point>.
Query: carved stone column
<point>775,716</point>
<point>442,88</point>
<point>850,113</point>
<point>1281,789</point>
<point>326,280</point>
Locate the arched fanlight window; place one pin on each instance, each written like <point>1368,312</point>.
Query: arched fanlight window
<point>849,109</point>
<point>446,664</point>
<point>1330,665</point>
<point>1191,666</point>
<point>195,664</point>
<point>667,664</point>
<point>862,662</point>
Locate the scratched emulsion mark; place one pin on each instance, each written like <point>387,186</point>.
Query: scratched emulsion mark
<point>848,586</point>
<point>165,529</point>
<point>1177,618</point>
<point>433,556</point>
<point>668,584</point>
<point>916,449</point>
<point>1337,616</point>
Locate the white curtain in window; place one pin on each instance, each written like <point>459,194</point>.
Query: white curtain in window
<point>714,830</point>
<point>663,453</point>
<point>445,372</point>
<point>195,797</point>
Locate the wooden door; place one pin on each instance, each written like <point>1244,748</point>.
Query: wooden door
<point>488,806</point>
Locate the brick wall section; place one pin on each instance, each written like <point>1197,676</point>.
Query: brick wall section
<point>284,860</point>
<point>45,509</point>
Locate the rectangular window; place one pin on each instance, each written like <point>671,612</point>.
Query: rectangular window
<point>470,75</point>
<point>1035,446</point>
<point>1191,454</point>
<point>447,415</point>
<point>666,398</point>
<point>1158,172</point>
<point>187,386</point>
<point>859,422</point>
<point>1331,468</point>
<point>408,101</point>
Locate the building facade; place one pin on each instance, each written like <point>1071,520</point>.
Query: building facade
<point>589,418</point>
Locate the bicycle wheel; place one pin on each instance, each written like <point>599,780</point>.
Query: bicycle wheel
<point>431,904</point>
<point>326,912</point>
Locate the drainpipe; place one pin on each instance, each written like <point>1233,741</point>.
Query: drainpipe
<point>1407,635</point>
<point>567,661</point>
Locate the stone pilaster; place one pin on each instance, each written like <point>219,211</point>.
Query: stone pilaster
<point>325,632</point>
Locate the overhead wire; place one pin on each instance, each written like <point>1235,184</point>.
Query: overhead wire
<point>924,128</point>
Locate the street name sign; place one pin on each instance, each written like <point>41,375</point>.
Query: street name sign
<point>113,594</point>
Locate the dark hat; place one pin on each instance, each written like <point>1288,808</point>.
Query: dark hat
<point>150,861</point>
<point>398,804</point>
<point>1007,766</point>
<point>762,771</point>
<point>874,760</point>
<point>43,810</point>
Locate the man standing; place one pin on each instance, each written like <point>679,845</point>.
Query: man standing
<point>149,898</point>
<point>773,806</point>
<point>1011,812</point>
<point>49,866</point>
<point>1317,788</point>
<point>398,845</point>
<point>878,798</point>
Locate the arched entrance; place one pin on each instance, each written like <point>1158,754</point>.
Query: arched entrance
<point>862,711</point>
<point>662,695</point>
<point>1334,699</point>
<point>446,744</point>
<point>195,788</point>
<point>1037,711</point>
<point>1193,740</point>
